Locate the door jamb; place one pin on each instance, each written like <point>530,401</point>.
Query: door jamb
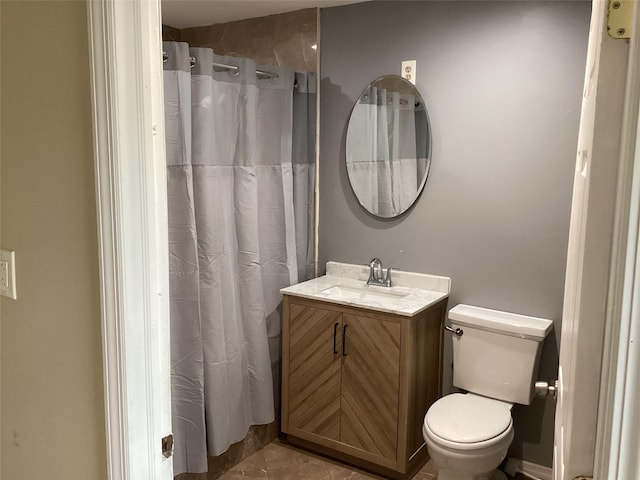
<point>125,53</point>
<point>619,407</point>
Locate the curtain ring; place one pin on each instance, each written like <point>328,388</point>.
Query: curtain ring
<point>193,61</point>
<point>165,57</point>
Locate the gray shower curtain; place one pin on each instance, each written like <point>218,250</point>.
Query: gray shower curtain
<point>240,176</point>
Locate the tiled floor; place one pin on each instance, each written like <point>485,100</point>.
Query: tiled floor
<point>278,461</point>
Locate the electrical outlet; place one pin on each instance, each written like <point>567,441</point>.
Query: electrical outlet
<point>409,70</point>
<point>8,273</point>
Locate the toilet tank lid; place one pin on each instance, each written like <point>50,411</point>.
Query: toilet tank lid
<point>502,322</point>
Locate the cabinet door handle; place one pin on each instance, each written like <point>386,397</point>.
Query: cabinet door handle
<point>344,340</point>
<point>335,334</point>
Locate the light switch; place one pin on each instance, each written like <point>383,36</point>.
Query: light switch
<point>8,273</point>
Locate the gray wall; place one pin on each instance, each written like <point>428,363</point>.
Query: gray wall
<point>503,83</point>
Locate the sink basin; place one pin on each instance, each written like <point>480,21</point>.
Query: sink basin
<point>341,292</point>
<point>346,284</point>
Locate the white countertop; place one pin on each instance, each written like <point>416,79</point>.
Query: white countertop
<point>410,294</point>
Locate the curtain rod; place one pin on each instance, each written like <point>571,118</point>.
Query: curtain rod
<point>194,61</point>
<point>237,69</point>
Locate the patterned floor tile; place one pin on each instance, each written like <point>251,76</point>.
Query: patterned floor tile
<point>253,467</point>
<point>278,461</point>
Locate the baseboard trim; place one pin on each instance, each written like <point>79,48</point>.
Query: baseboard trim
<point>515,465</point>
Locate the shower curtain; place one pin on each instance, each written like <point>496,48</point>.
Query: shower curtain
<point>385,159</point>
<point>240,177</point>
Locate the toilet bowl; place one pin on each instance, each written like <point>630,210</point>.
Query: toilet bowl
<point>495,359</point>
<point>468,436</point>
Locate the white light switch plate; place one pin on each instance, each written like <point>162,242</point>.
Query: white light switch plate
<point>8,273</point>
<point>409,70</point>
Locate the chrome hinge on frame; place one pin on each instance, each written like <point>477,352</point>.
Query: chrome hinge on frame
<point>620,18</point>
<point>167,446</point>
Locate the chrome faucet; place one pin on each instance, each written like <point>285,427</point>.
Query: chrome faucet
<point>376,274</point>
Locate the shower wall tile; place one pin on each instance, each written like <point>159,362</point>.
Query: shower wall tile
<point>170,34</point>
<point>284,39</point>
<point>258,437</point>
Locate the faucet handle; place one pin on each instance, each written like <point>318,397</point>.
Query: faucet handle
<point>387,280</point>
<point>375,263</point>
<point>375,272</point>
<point>375,266</point>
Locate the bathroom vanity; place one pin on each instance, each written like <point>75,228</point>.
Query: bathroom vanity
<point>361,365</point>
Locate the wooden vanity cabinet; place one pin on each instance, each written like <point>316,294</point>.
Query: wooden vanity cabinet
<point>356,383</point>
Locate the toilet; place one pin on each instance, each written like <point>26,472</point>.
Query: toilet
<point>495,360</point>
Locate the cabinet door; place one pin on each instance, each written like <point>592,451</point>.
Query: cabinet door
<point>370,385</point>
<point>315,346</point>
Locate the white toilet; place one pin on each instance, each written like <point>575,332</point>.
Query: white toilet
<point>495,359</point>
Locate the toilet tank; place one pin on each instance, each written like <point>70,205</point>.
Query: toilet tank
<point>498,353</point>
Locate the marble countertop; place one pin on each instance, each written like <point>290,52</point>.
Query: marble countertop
<point>410,294</point>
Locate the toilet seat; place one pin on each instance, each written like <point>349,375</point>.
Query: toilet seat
<point>468,421</point>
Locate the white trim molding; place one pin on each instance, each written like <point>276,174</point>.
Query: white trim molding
<point>128,123</point>
<point>533,470</point>
<point>617,443</point>
<point>589,251</point>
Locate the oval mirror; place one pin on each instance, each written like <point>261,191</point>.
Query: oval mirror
<point>388,146</point>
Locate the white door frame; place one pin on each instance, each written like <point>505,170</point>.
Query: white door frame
<point>125,50</point>
<point>589,256</point>
<point>128,124</point>
<point>617,443</point>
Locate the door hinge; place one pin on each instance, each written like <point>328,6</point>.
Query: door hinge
<point>167,446</point>
<point>620,18</point>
